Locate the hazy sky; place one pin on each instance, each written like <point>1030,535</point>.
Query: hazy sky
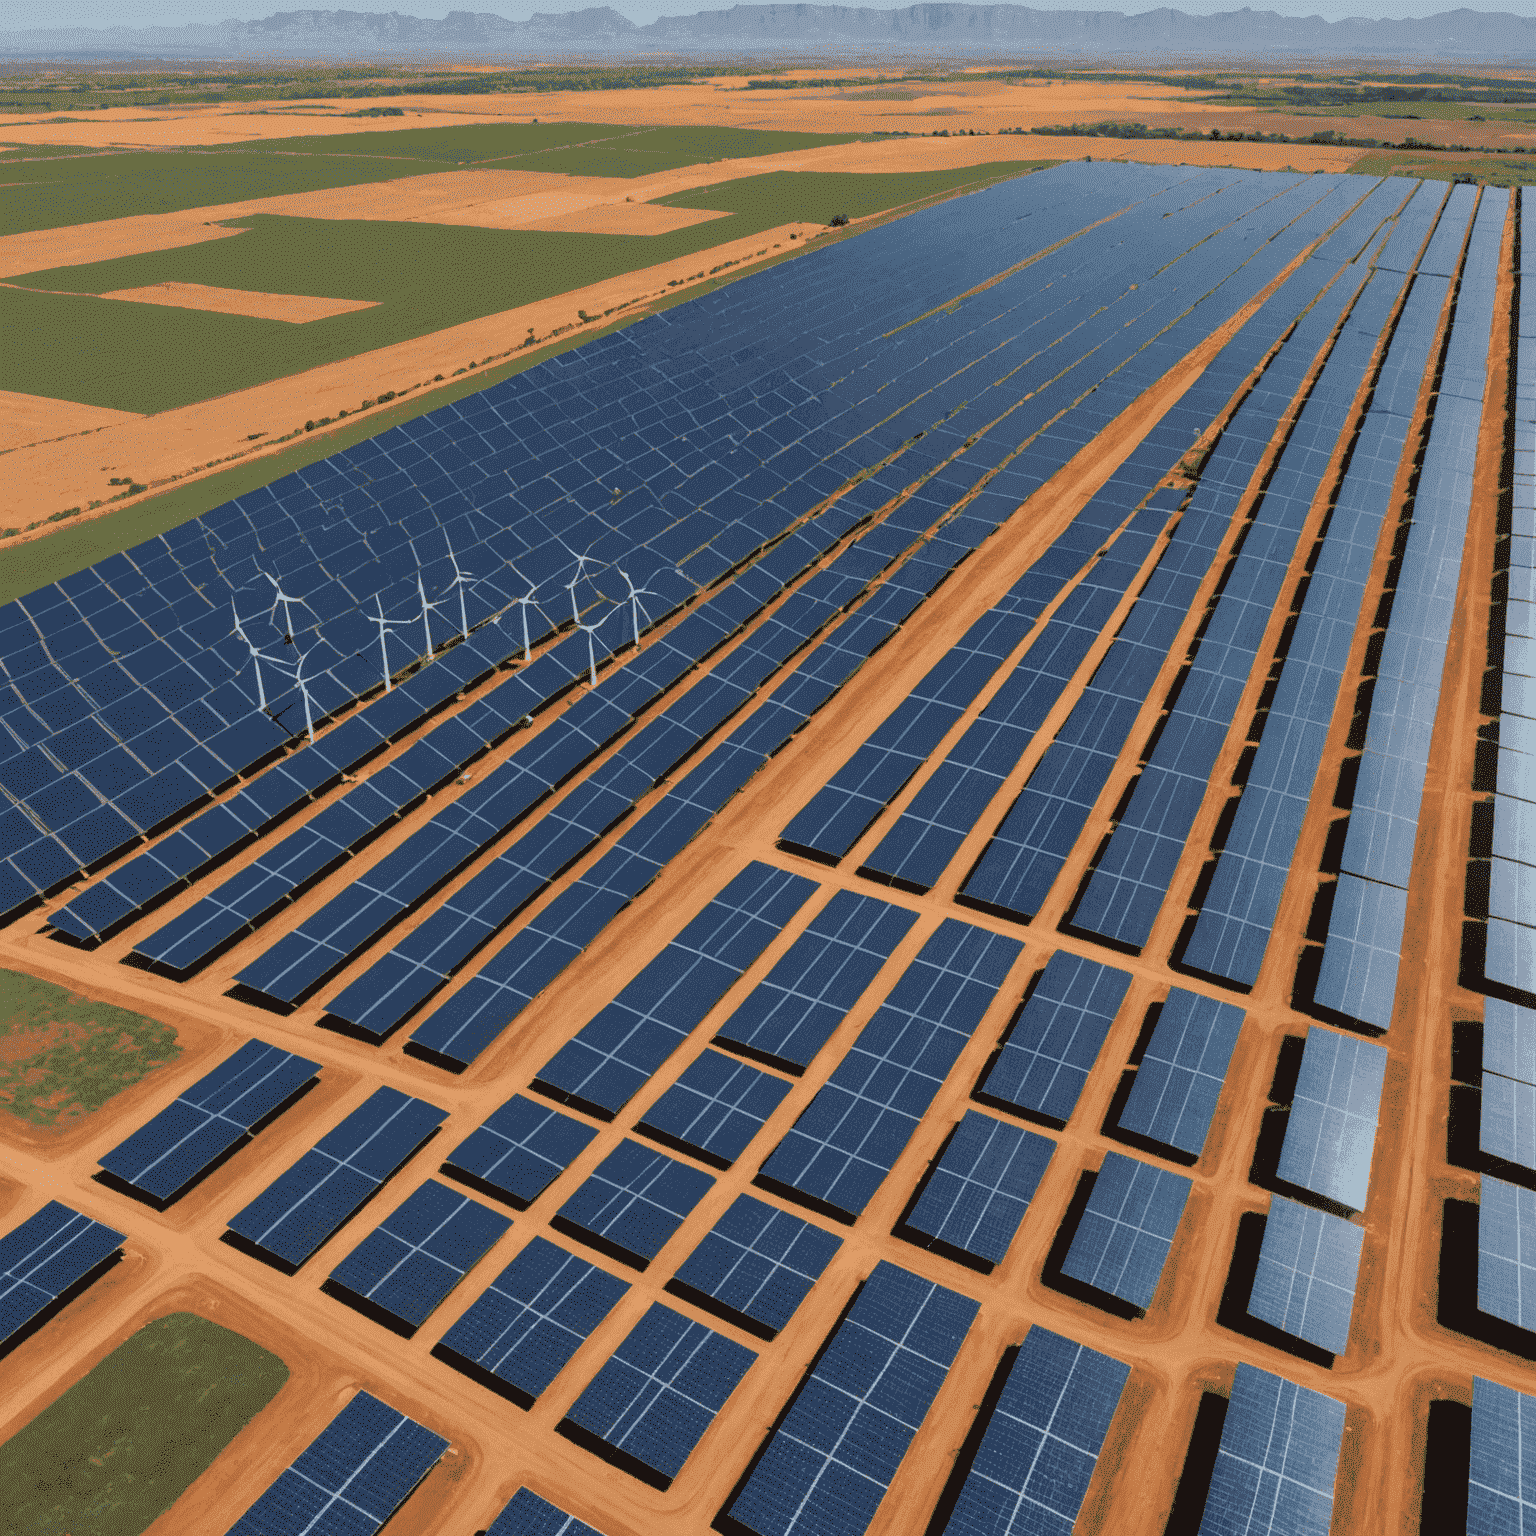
<point>146,13</point>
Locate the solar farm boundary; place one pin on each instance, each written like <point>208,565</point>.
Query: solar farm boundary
<point>1448,795</point>
<point>1193,362</point>
<point>1167,693</point>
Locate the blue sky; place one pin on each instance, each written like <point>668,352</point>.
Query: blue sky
<point>145,13</point>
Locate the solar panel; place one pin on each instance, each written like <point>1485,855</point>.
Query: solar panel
<point>518,1152</point>
<point>1277,1461</point>
<point>793,1011</point>
<point>1173,1098</point>
<point>1501,1489</point>
<point>1126,1230</point>
<point>755,1265</point>
<point>850,1135</point>
<point>1509,1040</point>
<point>659,1391</point>
<point>1332,1128</point>
<point>614,1055</point>
<point>828,1463</point>
<point>212,1119</point>
<point>1052,1045</point>
<point>1506,1252</point>
<point>519,1334</point>
<point>526,1514</point>
<point>405,1268</point>
<point>43,1260</point>
<point>977,1195</point>
<point>634,1200</point>
<point>715,1108</point>
<point>1042,1441</point>
<point>304,1207</point>
<point>351,1478</point>
<point>1305,1283</point>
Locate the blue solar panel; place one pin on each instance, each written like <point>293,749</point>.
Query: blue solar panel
<point>1360,959</point>
<point>635,1199</point>
<point>852,1132</point>
<point>352,1477</point>
<point>1127,1227</point>
<point>1173,1098</point>
<point>659,1392</point>
<point>1277,1461</point>
<point>518,1335</point>
<point>405,1268</point>
<point>793,1011</point>
<point>827,1466</point>
<point>527,1514</point>
<point>1332,1128</point>
<point>756,1265</point>
<point>213,1117</point>
<point>978,1193</point>
<point>715,1108</point>
<point>1051,1048</point>
<point>1042,1442</point>
<point>1501,1492</point>
<point>1305,1283</point>
<point>1506,1252</point>
<point>519,1151</point>
<point>43,1258</point>
<point>615,1054</point>
<point>303,1208</point>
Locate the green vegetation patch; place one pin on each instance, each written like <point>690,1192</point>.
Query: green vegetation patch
<point>420,278</point>
<point>121,1445</point>
<point>462,145</point>
<point>62,1055</point>
<point>83,189</point>
<point>1493,170</point>
<point>641,152</point>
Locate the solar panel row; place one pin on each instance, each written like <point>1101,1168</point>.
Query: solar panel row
<point>1127,1228</point>
<point>216,1116</point>
<point>304,1207</point>
<point>43,1260</point>
<point>1232,932</point>
<point>1331,1133</point>
<point>518,1152</point>
<point>1032,843</point>
<point>1508,1128</point>
<point>351,1478</point>
<point>1501,1480</point>
<point>1506,1252</point>
<point>848,1138</point>
<point>828,1463</point>
<point>1305,1281</point>
<point>632,1203</point>
<point>526,1514</point>
<point>1358,977</point>
<point>1133,873</point>
<point>614,1055</point>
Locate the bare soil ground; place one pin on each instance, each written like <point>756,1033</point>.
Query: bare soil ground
<point>295,308</point>
<point>33,418</point>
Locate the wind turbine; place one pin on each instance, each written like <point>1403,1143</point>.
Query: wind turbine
<point>523,602</point>
<point>636,607</point>
<point>570,586</point>
<point>298,677</point>
<point>589,630</point>
<point>460,580</point>
<point>287,602</point>
<point>383,624</point>
<point>426,625</point>
<point>256,656</point>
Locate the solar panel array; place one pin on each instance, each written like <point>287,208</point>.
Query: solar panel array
<point>1278,1459</point>
<point>1331,1133</point>
<point>1305,1281</point>
<point>352,1477</point>
<point>43,1259</point>
<point>1501,1482</point>
<point>827,1464</point>
<point>212,1119</point>
<point>1042,1441</point>
<point>784,472</point>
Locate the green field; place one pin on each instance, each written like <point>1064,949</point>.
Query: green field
<point>121,1445</point>
<point>64,1055</point>
<point>1494,170</point>
<point>75,188</point>
<point>148,357</point>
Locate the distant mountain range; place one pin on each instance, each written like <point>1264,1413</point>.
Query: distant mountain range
<point>1012,31</point>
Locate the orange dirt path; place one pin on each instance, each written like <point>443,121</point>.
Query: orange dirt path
<point>295,308</point>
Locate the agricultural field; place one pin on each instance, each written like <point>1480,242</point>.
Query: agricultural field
<point>834,842</point>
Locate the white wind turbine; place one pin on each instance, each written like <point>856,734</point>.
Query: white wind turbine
<point>460,580</point>
<point>384,625</point>
<point>298,677</point>
<point>636,607</point>
<point>287,604</point>
<point>257,656</point>
<point>426,625</point>
<point>590,630</point>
